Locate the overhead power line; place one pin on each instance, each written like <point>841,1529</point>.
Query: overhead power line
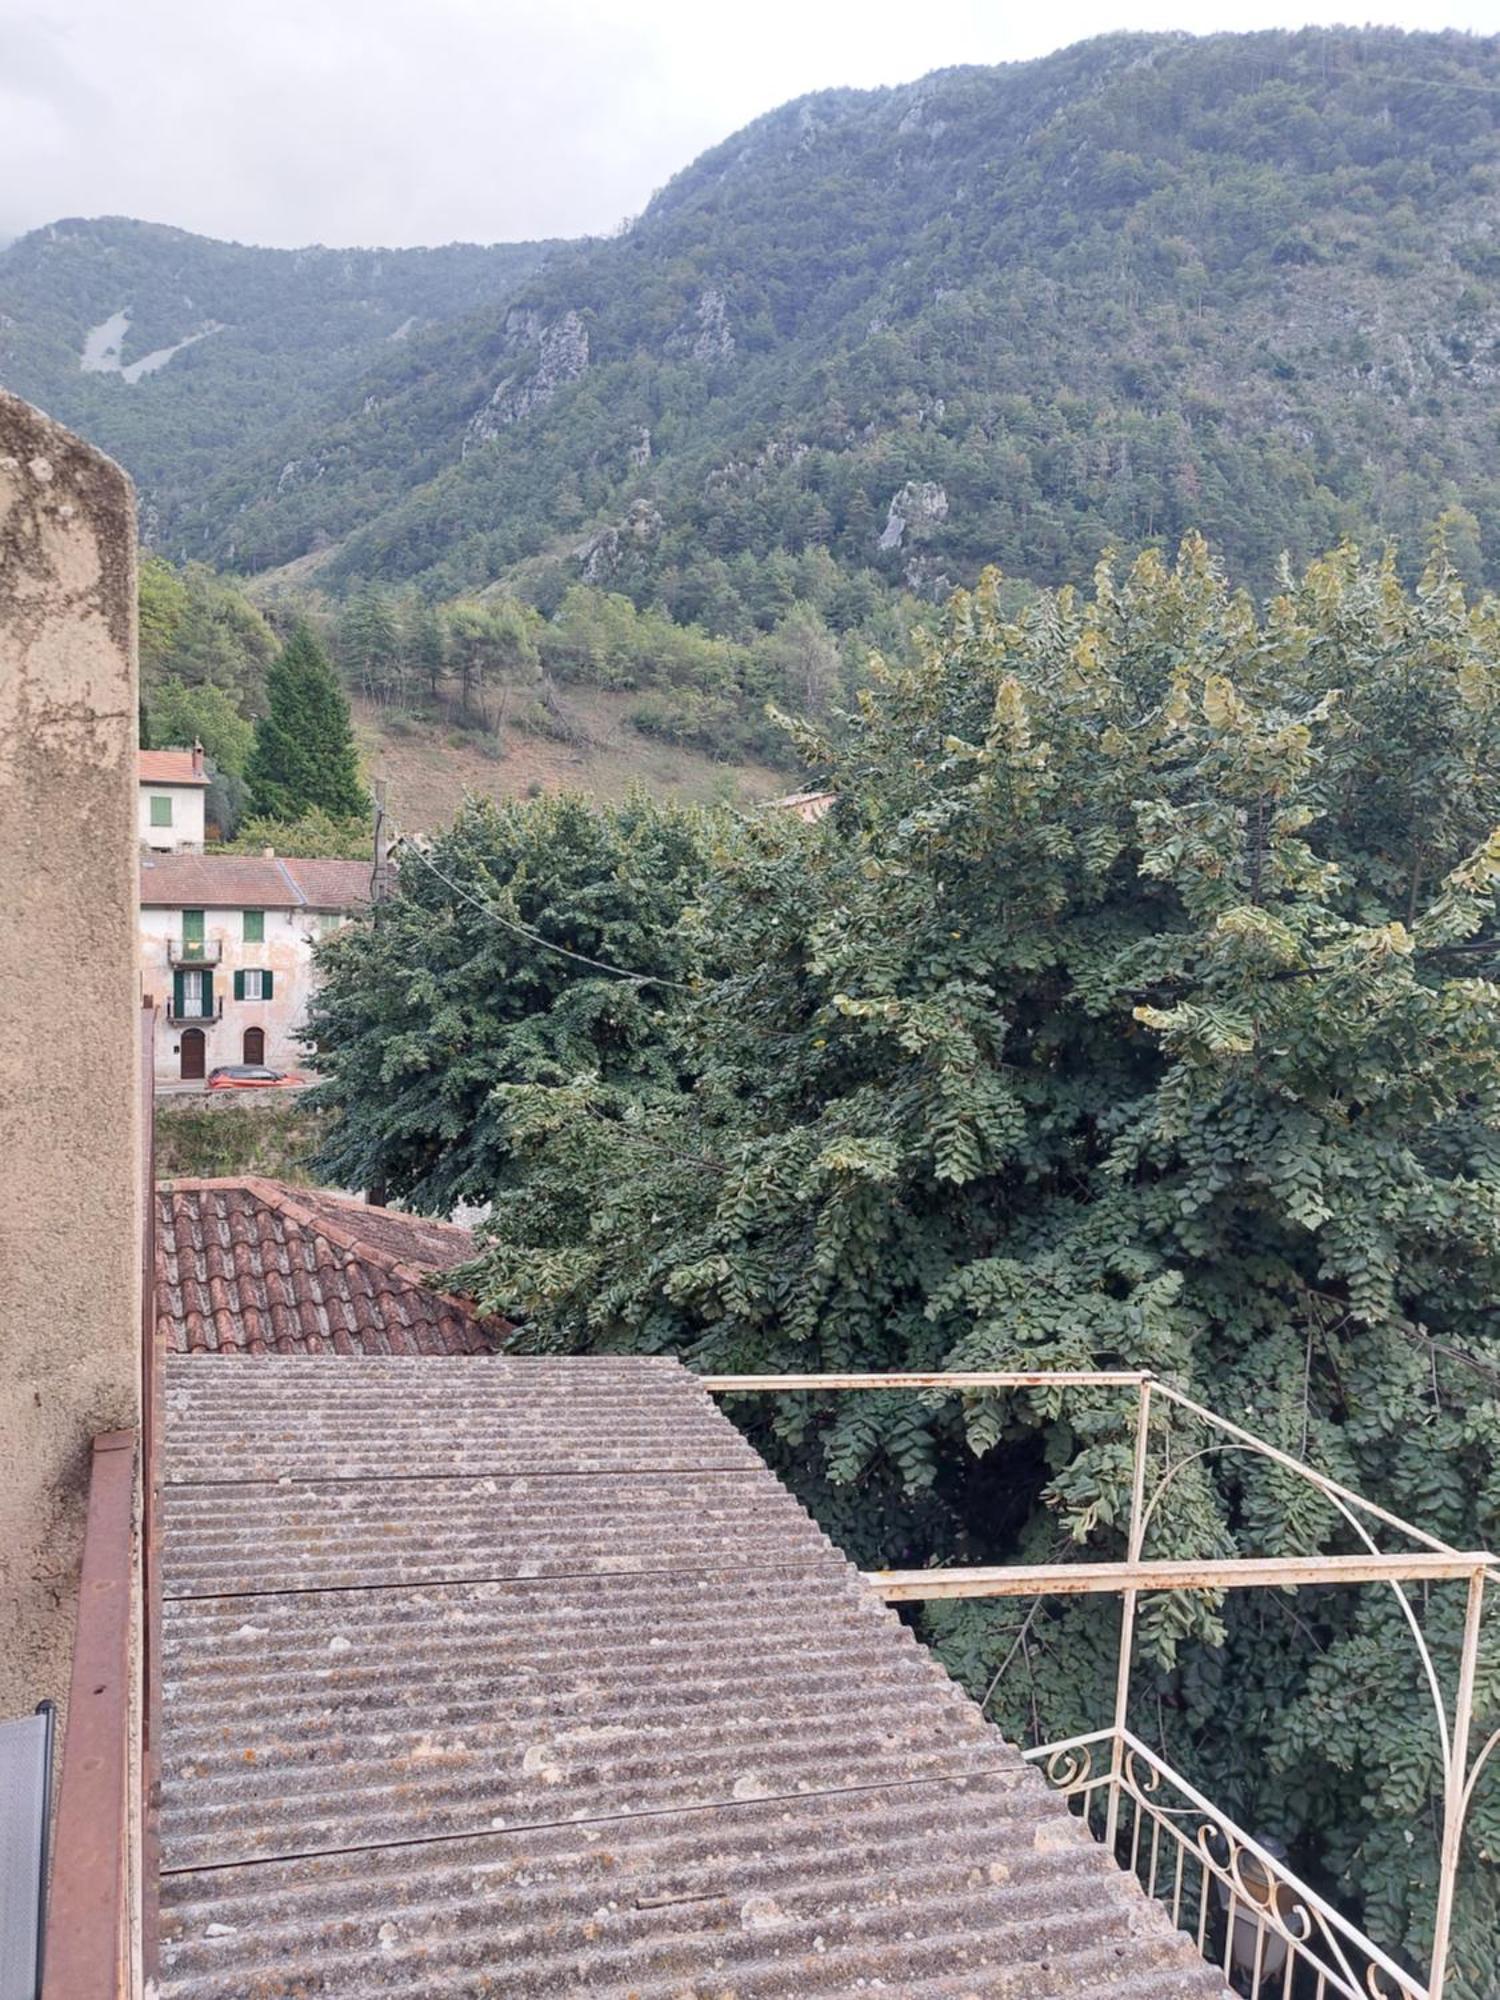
<point>499,916</point>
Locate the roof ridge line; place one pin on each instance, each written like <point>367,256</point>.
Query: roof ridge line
<point>284,1199</point>
<point>291,881</point>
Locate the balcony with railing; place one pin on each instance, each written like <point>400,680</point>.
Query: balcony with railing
<point>194,951</point>
<point>1273,1936</point>
<point>194,1013</point>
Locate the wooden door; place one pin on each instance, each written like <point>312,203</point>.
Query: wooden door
<point>255,1045</point>
<point>192,1050</point>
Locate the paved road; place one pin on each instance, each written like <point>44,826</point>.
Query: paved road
<point>176,1090</point>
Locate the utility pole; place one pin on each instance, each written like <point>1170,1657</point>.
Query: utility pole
<point>375,1193</point>
<point>380,856</point>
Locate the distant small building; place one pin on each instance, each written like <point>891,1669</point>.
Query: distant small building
<point>172,788</point>
<point>226,951</point>
<point>809,807</point>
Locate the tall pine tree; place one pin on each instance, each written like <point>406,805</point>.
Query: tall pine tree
<point>304,756</point>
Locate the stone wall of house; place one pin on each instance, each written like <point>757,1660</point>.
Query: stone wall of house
<point>70,1117</point>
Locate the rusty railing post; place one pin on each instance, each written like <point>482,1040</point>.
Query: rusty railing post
<point>1127,1615</point>
<point>1456,1787</point>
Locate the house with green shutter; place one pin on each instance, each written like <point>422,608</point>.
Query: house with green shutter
<point>226,953</point>
<point>171,787</point>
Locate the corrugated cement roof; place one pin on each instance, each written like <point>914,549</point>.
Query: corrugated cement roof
<point>501,1677</point>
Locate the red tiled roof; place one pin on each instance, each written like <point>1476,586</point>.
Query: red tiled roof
<point>809,807</point>
<point>252,881</point>
<point>169,767</point>
<point>331,885</point>
<point>254,1267</point>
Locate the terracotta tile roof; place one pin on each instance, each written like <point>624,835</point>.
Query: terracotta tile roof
<point>331,885</point>
<point>528,1678</point>
<point>169,767</point>
<point>253,1267</point>
<point>411,1239</point>
<point>252,881</point>
<point>809,807</point>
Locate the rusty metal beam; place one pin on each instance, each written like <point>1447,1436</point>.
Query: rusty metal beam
<point>912,1586</point>
<point>88,1935</point>
<point>986,1378</point>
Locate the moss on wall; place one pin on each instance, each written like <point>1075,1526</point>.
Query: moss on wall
<point>214,1137</point>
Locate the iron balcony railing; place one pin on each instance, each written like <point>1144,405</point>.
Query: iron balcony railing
<point>203,1017</point>
<point>195,951</point>
<point>1273,1935</point>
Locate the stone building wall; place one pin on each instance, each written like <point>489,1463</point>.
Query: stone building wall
<point>70,1163</point>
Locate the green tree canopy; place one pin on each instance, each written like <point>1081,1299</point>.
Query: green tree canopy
<point>533,942</point>
<point>304,755</point>
<point>163,602</point>
<point>489,644</point>
<point>370,647</point>
<point>1139,1005</point>
<point>423,642</point>
<point>314,832</point>
<point>182,715</point>
<point>198,628</point>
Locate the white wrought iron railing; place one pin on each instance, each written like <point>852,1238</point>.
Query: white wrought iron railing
<point>1273,1935</point>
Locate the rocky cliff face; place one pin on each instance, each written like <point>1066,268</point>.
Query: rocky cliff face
<point>599,557</point>
<point>706,335</point>
<point>920,503</point>
<point>562,356</point>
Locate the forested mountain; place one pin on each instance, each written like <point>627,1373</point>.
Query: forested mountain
<point>1249,283</point>
<point>178,353</point>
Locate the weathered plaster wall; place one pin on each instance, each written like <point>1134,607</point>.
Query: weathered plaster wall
<point>185,834</point>
<point>69,1105</point>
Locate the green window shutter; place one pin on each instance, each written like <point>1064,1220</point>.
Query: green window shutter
<point>265,985</point>
<point>161,811</point>
<point>177,994</point>
<point>208,995</point>
<point>255,926</point>
<point>192,927</point>
<point>239,986</point>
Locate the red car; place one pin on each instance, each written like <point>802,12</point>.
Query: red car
<point>251,1076</point>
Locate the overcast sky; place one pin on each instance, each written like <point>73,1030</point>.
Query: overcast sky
<point>426,121</point>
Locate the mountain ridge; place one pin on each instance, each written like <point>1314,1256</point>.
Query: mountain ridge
<point>1146,284</point>
<point>92,309</point>
<point>1248,283</point>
